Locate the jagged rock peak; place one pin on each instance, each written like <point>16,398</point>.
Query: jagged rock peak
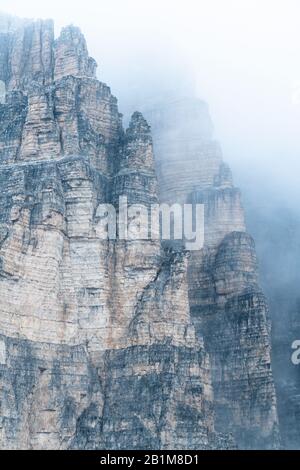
<point>71,55</point>
<point>138,126</point>
<point>137,153</point>
<point>26,52</point>
<point>73,33</point>
<point>29,52</point>
<point>10,23</point>
<point>224,178</point>
<point>52,103</point>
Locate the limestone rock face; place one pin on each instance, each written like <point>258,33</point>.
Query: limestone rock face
<point>113,343</point>
<point>26,52</point>
<point>71,55</point>
<point>97,347</point>
<point>227,305</point>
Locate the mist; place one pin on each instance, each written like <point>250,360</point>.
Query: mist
<point>243,59</point>
<point>240,57</point>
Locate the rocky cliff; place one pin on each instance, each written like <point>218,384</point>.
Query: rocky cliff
<point>116,343</point>
<point>227,305</point>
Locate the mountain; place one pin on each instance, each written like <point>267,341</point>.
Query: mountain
<point>117,343</point>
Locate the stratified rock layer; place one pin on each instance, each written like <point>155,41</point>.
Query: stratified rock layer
<point>97,345</point>
<point>227,305</point>
<point>101,339</point>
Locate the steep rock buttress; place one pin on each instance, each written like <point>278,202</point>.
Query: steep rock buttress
<point>116,343</point>
<point>227,305</point>
<point>97,345</point>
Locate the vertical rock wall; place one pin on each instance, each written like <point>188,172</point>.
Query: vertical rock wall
<point>227,305</point>
<point>110,343</point>
<point>97,348</point>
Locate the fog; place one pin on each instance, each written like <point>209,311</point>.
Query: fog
<point>243,59</point>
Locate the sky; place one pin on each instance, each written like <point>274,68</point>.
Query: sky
<point>242,57</point>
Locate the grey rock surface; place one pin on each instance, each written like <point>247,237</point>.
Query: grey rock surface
<point>227,305</point>
<point>117,344</point>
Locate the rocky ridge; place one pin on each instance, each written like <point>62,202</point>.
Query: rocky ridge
<point>116,343</point>
<point>227,305</point>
